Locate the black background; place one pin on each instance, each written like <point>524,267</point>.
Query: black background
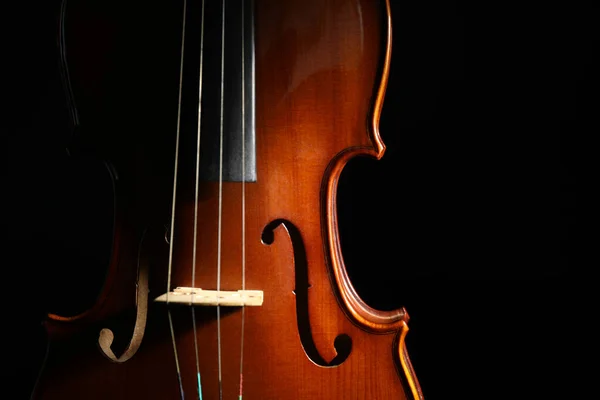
<point>471,219</point>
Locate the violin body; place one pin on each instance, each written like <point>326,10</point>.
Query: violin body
<point>320,76</point>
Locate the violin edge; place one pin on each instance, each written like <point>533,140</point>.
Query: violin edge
<point>355,308</point>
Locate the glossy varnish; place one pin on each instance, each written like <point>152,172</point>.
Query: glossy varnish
<point>321,72</point>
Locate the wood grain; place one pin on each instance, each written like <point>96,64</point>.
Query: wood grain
<point>321,73</point>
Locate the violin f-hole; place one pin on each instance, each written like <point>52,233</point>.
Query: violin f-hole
<point>343,342</point>
<point>106,336</point>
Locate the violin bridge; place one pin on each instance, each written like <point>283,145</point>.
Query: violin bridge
<point>200,297</point>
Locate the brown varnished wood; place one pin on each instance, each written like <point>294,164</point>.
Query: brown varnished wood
<point>321,73</point>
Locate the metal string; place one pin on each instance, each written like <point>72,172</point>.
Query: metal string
<point>220,199</point>
<point>199,383</point>
<point>173,204</point>
<point>243,205</point>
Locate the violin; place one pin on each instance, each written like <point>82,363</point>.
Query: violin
<point>225,126</point>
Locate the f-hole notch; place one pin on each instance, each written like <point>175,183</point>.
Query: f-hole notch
<point>343,342</point>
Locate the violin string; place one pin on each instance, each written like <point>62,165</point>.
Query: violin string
<point>199,381</point>
<point>243,204</point>
<point>222,94</point>
<point>173,203</point>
